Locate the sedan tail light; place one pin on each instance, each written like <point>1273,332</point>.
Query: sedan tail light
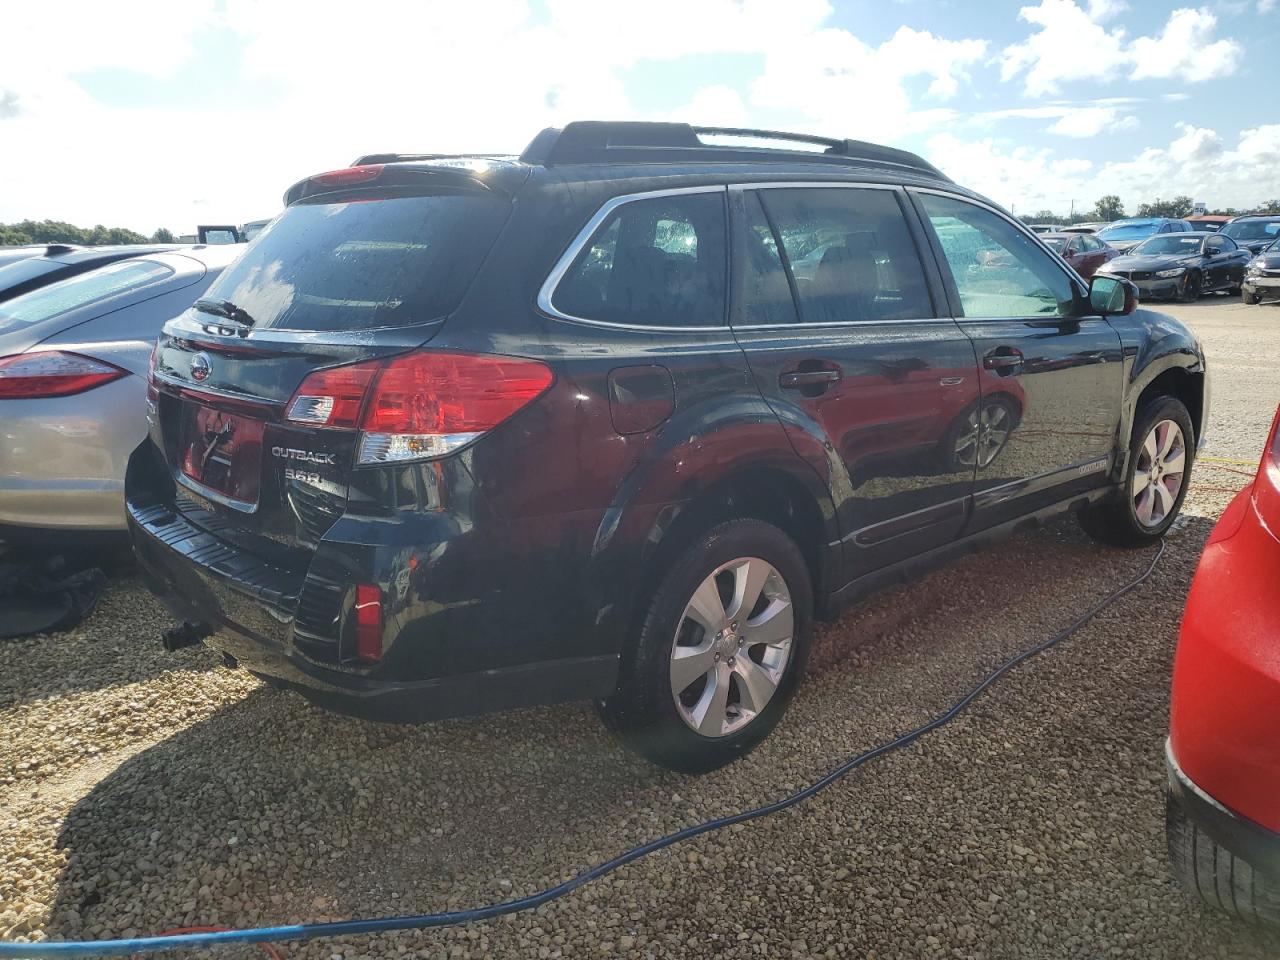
<point>52,373</point>
<point>420,405</point>
<point>1266,489</point>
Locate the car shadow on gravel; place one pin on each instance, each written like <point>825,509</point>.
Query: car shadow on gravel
<point>117,644</point>
<point>272,809</point>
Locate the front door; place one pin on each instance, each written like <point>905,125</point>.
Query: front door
<point>875,385</point>
<point>1051,371</point>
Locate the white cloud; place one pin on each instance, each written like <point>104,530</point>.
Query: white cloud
<point>1074,120</point>
<point>1266,6</point>
<point>1071,44</point>
<point>1091,121</point>
<point>1197,163</point>
<point>1183,50</point>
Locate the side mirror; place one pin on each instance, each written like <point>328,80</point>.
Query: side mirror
<point>1111,295</point>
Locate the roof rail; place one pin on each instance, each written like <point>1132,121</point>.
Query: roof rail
<point>397,157</point>
<point>593,141</point>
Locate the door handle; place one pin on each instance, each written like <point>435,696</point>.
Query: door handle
<point>1003,360</point>
<point>798,379</point>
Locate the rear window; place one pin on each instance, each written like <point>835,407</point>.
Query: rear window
<point>363,263</point>
<point>79,291</point>
<point>1252,229</point>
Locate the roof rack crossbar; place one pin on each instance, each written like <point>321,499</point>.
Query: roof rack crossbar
<point>593,141</point>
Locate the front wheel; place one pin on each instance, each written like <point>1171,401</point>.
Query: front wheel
<point>1189,292</point>
<point>1215,875</point>
<point>1250,298</point>
<point>1159,468</point>
<point>719,651</point>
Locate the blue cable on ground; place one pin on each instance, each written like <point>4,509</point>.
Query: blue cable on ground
<point>346,928</point>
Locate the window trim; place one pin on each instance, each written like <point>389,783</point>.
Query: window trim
<point>1078,285</point>
<point>584,236</point>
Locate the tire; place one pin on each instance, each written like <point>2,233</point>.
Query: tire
<point>1214,874</point>
<point>1119,521</point>
<point>1250,298</point>
<point>657,721</point>
<point>1192,286</point>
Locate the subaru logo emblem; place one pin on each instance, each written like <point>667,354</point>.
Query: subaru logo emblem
<point>200,367</point>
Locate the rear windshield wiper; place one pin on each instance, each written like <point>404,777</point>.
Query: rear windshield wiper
<point>225,309</point>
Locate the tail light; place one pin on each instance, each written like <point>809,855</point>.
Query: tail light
<point>52,373</point>
<point>1266,488</point>
<point>421,405</point>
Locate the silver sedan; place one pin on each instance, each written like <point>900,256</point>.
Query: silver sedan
<point>73,369</point>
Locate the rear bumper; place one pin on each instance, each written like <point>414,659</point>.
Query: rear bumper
<point>251,609</point>
<point>1225,702</point>
<point>1252,842</point>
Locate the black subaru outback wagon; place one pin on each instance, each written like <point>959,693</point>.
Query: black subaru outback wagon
<point>617,418</point>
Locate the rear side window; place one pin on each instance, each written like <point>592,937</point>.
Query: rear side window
<point>999,271</point>
<point>850,254</point>
<point>368,262</point>
<point>658,262</point>
<point>79,291</point>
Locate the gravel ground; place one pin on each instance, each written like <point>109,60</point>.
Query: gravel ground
<point>141,791</point>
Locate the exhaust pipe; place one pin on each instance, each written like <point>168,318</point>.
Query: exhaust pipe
<point>187,635</point>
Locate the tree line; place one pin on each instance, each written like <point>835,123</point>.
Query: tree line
<point>58,231</point>
<point>1110,208</point>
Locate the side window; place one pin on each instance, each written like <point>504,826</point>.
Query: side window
<point>658,262</point>
<point>1091,244</point>
<point>764,293</point>
<point>998,271</point>
<point>850,254</point>
<point>1226,243</point>
<point>1214,245</point>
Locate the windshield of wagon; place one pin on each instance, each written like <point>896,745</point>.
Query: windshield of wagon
<point>1128,231</point>
<point>1171,245</point>
<point>1252,229</point>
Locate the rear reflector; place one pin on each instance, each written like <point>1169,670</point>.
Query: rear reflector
<point>52,373</point>
<point>368,622</point>
<point>420,405</point>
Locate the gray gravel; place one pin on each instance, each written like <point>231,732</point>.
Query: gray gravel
<point>141,791</point>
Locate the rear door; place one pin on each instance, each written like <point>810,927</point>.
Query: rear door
<point>876,387</point>
<point>339,278</point>
<point>1051,371</point>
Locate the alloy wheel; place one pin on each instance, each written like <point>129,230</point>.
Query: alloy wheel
<point>1158,473</point>
<point>732,647</point>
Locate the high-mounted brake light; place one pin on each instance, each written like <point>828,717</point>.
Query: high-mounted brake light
<point>52,373</point>
<point>420,405</point>
<point>341,178</point>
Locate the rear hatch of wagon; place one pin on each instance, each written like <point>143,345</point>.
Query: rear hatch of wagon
<point>259,390</point>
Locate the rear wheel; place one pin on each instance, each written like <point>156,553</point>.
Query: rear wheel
<point>1160,455</point>
<point>1214,874</point>
<point>718,654</point>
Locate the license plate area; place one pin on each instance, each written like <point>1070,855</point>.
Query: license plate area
<point>220,455</point>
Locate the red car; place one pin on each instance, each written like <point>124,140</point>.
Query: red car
<point>1085,252</point>
<point>1223,752</point>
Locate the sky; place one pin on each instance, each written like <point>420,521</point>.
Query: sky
<point>150,113</point>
